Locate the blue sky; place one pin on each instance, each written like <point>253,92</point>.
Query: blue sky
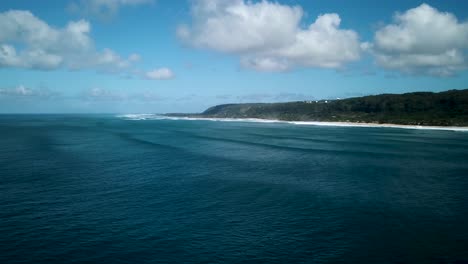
<point>132,56</point>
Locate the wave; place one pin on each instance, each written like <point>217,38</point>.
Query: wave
<point>160,117</point>
<point>302,123</point>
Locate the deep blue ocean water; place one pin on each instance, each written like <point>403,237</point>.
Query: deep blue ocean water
<point>102,189</point>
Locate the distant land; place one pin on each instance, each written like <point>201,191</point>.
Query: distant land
<point>449,108</point>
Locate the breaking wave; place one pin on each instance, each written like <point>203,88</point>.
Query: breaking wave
<point>308,123</point>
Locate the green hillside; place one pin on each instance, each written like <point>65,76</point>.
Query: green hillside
<point>448,108</point>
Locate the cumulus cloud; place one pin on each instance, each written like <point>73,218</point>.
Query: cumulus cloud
<point>28,42</point>
<point>103,9</point>
<point>160,74</point>
<point>267,35</point>
<point>422,40</point>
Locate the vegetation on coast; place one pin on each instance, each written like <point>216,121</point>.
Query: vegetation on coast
<point>448,108</point>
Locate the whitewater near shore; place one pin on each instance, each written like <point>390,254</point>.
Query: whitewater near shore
<point>310,123</point>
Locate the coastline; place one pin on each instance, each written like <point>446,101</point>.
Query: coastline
<point>303,123</point>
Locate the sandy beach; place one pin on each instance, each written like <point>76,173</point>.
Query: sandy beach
<point>303,123</point>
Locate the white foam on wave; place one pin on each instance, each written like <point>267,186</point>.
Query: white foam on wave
<point>303,123</point>
<point>136,116</point>
<point>159,117</point>
<point>350,124</point>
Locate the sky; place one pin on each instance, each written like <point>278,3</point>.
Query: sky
<point>158,56</point>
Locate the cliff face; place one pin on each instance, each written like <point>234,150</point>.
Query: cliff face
<point>422,108</point>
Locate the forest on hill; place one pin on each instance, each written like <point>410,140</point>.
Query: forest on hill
<point>449,108</point>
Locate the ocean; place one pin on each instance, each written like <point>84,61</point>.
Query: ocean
<point>111,189</point>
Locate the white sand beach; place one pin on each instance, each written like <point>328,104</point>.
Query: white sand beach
<point>303,123</point>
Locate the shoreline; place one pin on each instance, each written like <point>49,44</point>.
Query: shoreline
<point>302,123</point>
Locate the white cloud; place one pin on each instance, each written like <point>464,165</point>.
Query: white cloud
<point>146,96</point>
<point>103,9</point>
<point>28,42</point>
<point>422,40</point>
<point>37,58</point>
<point>25,92</point>
<point>21,90</point>
<point>267,35</point>
<point>134,57</point>
<point>160,74</point>
<point>266,97</point>
<point>101,94</point>
<point>235,26</point>
<point>265,64</point>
